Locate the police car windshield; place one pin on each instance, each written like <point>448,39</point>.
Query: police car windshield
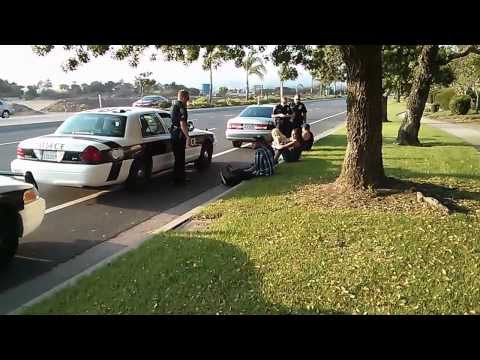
<point>94,124</point>
<point>258,111</point>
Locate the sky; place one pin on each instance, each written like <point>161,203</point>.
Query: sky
<point>19,64</point>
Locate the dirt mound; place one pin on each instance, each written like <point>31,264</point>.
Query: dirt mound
<point>24,110</point>
<point>81,104</point>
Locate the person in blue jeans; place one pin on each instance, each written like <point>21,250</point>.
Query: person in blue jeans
<point>263,165</point>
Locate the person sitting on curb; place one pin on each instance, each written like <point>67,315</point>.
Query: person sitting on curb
<point>308,137</point>
<point>278,141</point>
<point>292,150</point>
<point>263,165</point>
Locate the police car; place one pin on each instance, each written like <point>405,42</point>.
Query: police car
<point>21,212</point>
<point>109,146</point>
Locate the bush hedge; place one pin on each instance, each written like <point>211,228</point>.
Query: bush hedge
<point>460,105</point>
<point>443,97</point>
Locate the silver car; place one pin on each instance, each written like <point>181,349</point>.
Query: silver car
<point>6,109</point>
<point>252,121</point>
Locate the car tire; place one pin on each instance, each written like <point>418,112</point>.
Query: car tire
<point>139,175</point>
<point>5,114</point>
<point>205,158</point>
<point>9,234</point>
<point>237,143</point>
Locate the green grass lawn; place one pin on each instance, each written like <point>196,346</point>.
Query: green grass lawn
<point>265,252</point>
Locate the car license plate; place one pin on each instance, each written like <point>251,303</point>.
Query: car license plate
<point>249,127</point>
<point>49,155</point>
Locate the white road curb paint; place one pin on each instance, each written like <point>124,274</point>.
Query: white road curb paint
<point>167,227</point>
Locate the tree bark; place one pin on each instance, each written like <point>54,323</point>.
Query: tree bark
<point>399,90</point>
<point>363,163</point>
<point>210,94</point>
<point>385,109</point>
<point>427,63</point>
<point>281,90</point>
<point>247,88</point>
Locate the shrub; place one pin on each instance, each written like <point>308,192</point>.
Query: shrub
<point>460,104</point>
<point>443,97</point>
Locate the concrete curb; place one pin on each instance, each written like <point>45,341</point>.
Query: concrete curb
<point>167,227</point>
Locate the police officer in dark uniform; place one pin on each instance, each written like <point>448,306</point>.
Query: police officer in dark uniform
<point>299,112</point>
<point>282,114</point>
<point>180,137</point>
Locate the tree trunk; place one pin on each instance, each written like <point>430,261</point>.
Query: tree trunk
<point>477,93</point>
<point>281,90</point>
<point>363,163</point>
<point>399,90</point>
<point>247,88</point>
<point>384,109</point>
<point>408,132</point>
<point>210,94</point>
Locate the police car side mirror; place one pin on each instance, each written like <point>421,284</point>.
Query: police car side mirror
<point>191,126</point>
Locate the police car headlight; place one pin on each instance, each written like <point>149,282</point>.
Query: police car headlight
<point>30,196</point>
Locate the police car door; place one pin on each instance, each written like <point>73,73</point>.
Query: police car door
<point>191,153</point>
<point>157,140</point>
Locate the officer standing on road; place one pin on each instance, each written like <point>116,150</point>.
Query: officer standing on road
<point>180,137</point>
<point>282,114</point>
<point>299,112</point>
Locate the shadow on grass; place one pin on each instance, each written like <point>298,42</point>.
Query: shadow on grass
<point>446,195</point>
<point>175,273</point>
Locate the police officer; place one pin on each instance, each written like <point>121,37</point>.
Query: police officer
<point>180,137</point>
<point>299,112</point>
<point>282,114</point>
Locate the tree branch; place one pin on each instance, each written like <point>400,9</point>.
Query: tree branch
<point>472,49</point>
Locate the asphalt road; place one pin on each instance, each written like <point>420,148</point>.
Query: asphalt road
<point>73,224</point>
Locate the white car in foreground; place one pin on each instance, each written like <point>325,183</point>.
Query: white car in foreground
<point>108,146</point>
<point>253,121</point>
<point>21,212</point>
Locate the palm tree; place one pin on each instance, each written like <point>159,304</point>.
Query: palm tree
<point>253,65</point>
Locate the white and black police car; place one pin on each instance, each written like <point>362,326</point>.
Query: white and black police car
<point>109,146</point>
<point>21,212</point>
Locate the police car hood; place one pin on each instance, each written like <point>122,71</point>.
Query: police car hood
<point>71,142</point>
<point>8,184</point>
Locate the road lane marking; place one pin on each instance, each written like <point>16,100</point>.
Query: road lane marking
<point>33,258</point>
<point>118,187</point>
<point>10,143</point>
<point>328,117</point>
<point>77,201</point>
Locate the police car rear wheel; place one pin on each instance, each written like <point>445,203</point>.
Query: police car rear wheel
<point>205,158</point>
<point>236,143</point>
<point>8,237</point>
<point>139,175</point>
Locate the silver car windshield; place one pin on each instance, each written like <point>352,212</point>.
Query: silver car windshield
<point>259,111</point>
<point>94,124</point>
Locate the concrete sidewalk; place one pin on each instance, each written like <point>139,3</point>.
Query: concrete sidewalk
<point>468,132</point>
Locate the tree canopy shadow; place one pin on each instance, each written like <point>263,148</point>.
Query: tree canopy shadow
<point>183,273</point>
